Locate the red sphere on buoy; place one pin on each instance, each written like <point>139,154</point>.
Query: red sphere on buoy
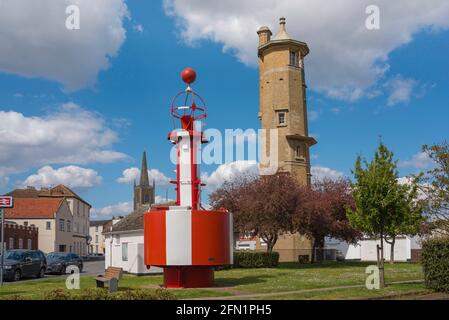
<point>188,75</point>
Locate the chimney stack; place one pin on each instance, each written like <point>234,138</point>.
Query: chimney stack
<point>264,35</point>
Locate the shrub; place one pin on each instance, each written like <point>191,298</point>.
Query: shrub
<point>435,262</point>
<point>90,294</point>
<point>103,294</point>
<point>253,259</point>
<point>142,294</point>
<point>57,294</point>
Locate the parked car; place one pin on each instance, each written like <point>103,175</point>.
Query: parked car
<point>58,262</point>
<point>24,263</point>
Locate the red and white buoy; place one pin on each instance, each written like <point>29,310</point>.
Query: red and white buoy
<point>185,240</point>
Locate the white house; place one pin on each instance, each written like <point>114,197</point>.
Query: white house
<point>124,244</point>
<point>405,249</point>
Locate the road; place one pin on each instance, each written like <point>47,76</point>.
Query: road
<point>91,268</point>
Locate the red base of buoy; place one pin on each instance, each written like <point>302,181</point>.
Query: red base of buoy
<point>188,277</point>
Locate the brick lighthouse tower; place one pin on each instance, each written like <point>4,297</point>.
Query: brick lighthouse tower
<point>283,106</point>
<point>283,99</point>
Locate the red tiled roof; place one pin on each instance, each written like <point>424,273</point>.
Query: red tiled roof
<point>33,208</point>
<point>59,191</point>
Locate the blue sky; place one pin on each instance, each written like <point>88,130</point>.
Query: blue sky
<point>127,104</point>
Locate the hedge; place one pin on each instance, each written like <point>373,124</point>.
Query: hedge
<point>252,259</point>
<point>103,294</point>
<point>435,262</point>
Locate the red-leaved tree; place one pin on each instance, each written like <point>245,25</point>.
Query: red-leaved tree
<point>321,213</point>
<point>264,205</point>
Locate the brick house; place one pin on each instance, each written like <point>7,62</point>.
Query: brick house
<point>20,237</point>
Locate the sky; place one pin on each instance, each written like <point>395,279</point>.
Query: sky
<point>79,106</point>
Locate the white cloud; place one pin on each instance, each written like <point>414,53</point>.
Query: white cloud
<point>320,173</point>
<point>118,209</point>
<point>69,135</point>
<point>400,90</point>
<point>138,28</point>
<point>71,176</point>
<point>162,200</point>
<point>129,175</point>
<point>35,42</point>
<point>227,172</point>
<point>420,160</point>
<point>346,58</point>
<point>133,174</point>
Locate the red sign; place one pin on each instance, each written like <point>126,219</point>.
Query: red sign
<point>6,202</point>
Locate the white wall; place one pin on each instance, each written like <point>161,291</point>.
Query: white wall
<point>135,263</point>
<point>246,245</point>
<point>365,250</point>
<point>94,244</point>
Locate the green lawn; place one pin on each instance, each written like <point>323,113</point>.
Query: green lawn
<point>287,277</point>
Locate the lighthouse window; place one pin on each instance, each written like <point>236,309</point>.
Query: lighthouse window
<point>281,118</point>
<point>294,58</point>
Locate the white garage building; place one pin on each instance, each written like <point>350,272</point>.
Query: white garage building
<point>124,244</point>
<point>405,249</point>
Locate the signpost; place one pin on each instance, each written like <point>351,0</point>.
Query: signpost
<point>5,202</point>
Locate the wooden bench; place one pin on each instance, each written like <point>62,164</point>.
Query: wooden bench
<point>111,277</point>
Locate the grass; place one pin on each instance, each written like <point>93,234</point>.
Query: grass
<point>354,293</point>
<point>287,277</point>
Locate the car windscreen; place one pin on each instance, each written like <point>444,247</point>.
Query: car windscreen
<point>14,255</point>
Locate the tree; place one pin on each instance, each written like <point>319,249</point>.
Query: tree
<point>410,220</point>
<point>436,186</point>
<point>264,205</point>
<point>383,205</point>
<point>321,213</point>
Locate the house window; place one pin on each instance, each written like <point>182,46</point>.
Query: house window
<point>96,238</point>
<point>294,58</point>
<point>48,225</point>
<point>96,249</point>
<point>96,228</point>
<point>69,226</point>
<point>124,252</point>
<point>281,118</point>
<point>29,247</point>
<point>20,243</point>
<point>61,224</point>
<point>11,244</point>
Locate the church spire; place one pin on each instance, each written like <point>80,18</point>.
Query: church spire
<point>144,180</point>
